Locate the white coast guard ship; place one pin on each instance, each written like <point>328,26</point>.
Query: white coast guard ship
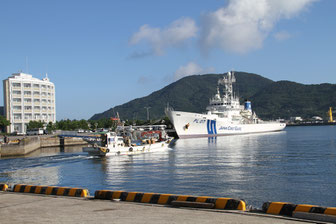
<point>225,116</point>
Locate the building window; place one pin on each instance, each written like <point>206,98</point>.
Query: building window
<point>27,85</point>
<point>37,116</point>
<point>36,93</point>
<point>17,127</point>
<point>36,86</point>
<point>36,100</point>
<point>15,84</point>
<point>17,100</point>
<point>27,93</point>
<point>37,107</point>
<point>27,100</point>
<point>28,116</point>
<point>17,116</point>
<point>17,107</point>
<point>17,92</point>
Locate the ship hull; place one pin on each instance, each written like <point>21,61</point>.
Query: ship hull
<point>193,125</point>
<point>132,150</point>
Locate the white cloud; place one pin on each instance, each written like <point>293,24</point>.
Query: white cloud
<point>175,34</point>
<point>282,35</point>
<point>191,69</point>
<point>243,25</point>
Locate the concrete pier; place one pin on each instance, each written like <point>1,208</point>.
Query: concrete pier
<point>28,208</point>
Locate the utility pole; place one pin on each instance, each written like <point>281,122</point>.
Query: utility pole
<point>147,108</point>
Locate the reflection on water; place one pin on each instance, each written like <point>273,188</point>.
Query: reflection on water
<point>297,165</point>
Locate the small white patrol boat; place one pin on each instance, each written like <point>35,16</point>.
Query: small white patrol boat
<point>130,140</point>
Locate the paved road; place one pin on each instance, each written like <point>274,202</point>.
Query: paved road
<point>30,208</point>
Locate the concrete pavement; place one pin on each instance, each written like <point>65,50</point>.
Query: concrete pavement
<point>31,208</point>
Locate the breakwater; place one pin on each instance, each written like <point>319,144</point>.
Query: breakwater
<point>29,144</point>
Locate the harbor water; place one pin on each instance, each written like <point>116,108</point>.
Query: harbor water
<point>297,165</point>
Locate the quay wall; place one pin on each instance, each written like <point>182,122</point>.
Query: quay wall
<point>30,144</point>
<point>74,141</point>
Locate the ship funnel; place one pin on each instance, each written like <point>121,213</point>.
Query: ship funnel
<point>247,105</point>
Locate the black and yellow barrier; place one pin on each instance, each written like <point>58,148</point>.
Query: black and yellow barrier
<point>3,187</point>
<point>48,190</point>
<point>281,208</point>
<point>166,199</point>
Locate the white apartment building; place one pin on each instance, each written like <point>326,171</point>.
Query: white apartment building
<point>28,99</point>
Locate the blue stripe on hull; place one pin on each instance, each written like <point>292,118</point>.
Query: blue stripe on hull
<point>211,126</point>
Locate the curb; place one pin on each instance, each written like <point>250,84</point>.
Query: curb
<point>282,208</point>
<point>48,190</point>
<point>167,199</point>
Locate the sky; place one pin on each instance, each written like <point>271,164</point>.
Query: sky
<point>100,54</point>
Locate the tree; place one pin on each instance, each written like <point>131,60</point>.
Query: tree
<point>83,124</point>
<point>3,123</point>
<point>35,124</point>
<point>51,127</point>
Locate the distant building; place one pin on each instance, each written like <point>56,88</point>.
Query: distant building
<point>2,112</point>
<point>28,99</point>
<point>296,119</point>
<point>317,118</point>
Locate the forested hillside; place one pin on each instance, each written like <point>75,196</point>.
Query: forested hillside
<point>270,99</point>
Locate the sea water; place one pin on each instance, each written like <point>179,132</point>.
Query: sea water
<point>297,165</point>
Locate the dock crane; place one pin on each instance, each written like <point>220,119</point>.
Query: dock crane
<point>330,113</point>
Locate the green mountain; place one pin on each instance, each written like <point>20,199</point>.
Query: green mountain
<point>287,99</point>
<point>270,99</point>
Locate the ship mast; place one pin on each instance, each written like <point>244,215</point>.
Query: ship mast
<point>227,81</point>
